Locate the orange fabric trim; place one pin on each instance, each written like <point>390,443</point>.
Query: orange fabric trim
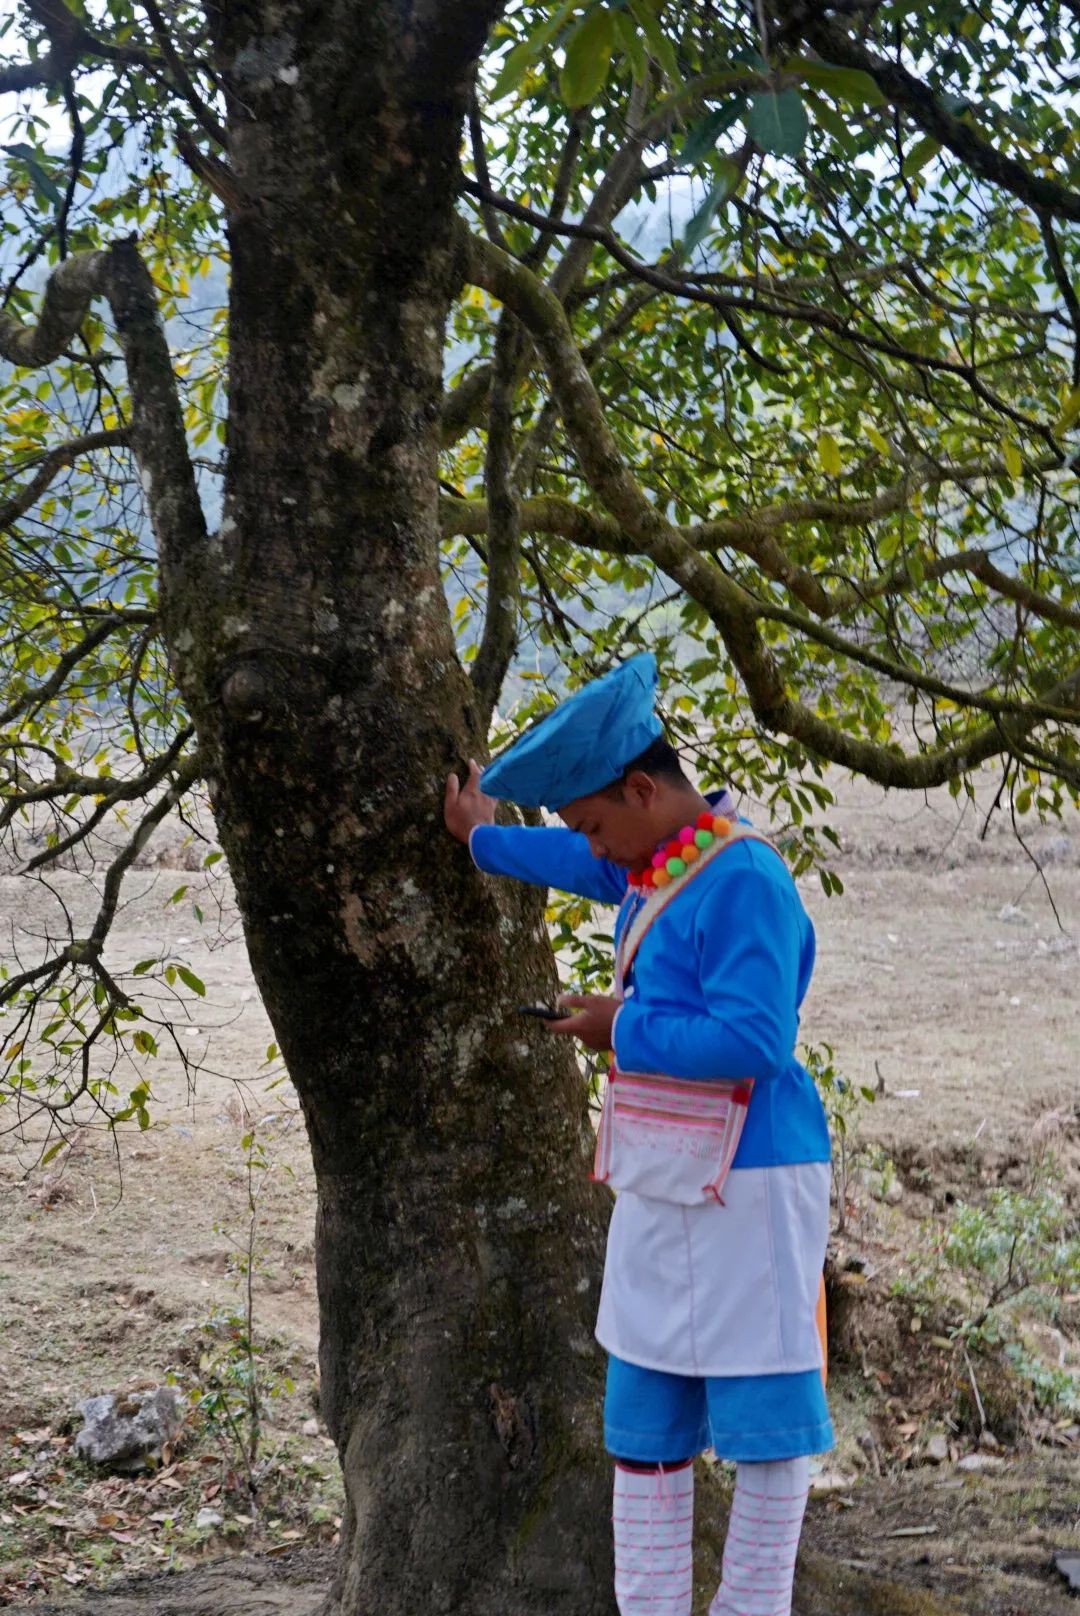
<point>823,1332</point>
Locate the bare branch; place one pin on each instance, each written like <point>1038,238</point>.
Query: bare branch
<point>187,772</point>
<point>464,406</point>
<point>490,217</point>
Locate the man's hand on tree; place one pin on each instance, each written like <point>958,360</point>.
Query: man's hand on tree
<point>465,806</point>
<point>593,1022</point>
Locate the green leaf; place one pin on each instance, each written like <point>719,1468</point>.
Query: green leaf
<point>143,1116</point>
<point>661,49</point>
<point>778,122</point>
<point>632,46</point>
<point>41,179</point>
<point>52,1152</point>
<point>191,980</point>
<point>702,137</point>
<point>145,1042</point>
<point>1070,410</point>
<point>829,454</point>
<point>178,894</point>
<point>729,177</point>
<point>143,966</point>
<point>920,154</point>
<point>878,439</point>
<point>514,69</point>
<point>828,118</point>
<point>588,59</point>
<point>840,83</point>
<point>1014,464</point>
<point>1022,800</point>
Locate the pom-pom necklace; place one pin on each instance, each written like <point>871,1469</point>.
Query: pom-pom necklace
<point>677,856</point>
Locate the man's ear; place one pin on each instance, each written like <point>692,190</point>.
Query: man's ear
<point>639,789</point>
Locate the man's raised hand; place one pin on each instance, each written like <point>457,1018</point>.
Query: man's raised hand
<point>466,806</point>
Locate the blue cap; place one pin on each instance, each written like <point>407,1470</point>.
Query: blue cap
<point>585,744</point>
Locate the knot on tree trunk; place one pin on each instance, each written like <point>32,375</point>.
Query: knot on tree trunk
<point>246,693</point>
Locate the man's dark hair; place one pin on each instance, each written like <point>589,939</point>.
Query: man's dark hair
<point>659,759</point>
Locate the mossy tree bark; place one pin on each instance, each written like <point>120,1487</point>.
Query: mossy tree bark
<point>458,1240</point>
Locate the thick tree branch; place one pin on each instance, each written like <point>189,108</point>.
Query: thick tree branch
<point>1064,286</point>
<point>730,304</point>
<point>70,40</point>
<point>499,638</point>
<point>732,609</point>
<point>156,432</point>
<point>911,95</point>
<point>68,293</point>
<point>754,534</point>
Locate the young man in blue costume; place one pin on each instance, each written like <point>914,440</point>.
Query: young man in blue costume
<point>712,1134</point>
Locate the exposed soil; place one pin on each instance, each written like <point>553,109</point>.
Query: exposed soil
<point>942,969</point>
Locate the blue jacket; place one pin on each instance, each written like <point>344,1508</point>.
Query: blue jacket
<point>717,983</point>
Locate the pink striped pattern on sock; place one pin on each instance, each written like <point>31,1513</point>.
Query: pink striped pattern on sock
<point>653,1518</point>
<point>763,1539</point>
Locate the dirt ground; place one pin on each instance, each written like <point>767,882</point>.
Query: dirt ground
<point>945,978</point>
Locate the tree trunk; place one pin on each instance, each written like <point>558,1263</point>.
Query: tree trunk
<point>458,1241</point>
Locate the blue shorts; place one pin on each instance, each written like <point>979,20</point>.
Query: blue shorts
<point>658,1418</point>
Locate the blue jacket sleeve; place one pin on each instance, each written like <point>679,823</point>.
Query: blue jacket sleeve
<point>547,856</point>
<point>748,933</point>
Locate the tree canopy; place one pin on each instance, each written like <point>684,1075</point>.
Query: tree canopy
<point>765,352</point>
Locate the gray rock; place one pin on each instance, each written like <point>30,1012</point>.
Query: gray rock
<point>1068,1564</point>
<point>124,1430</point>
<point>981,1462</point>
<point>208,1517</point>
<point>936,1450</point>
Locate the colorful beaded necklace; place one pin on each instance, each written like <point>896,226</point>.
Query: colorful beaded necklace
<point>676,856</point>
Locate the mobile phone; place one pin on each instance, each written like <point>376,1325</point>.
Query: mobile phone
<point>544,1012</point>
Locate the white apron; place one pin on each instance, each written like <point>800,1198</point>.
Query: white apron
<point>709,1270</point>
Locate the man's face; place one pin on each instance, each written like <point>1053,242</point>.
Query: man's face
<point>620,827</point>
